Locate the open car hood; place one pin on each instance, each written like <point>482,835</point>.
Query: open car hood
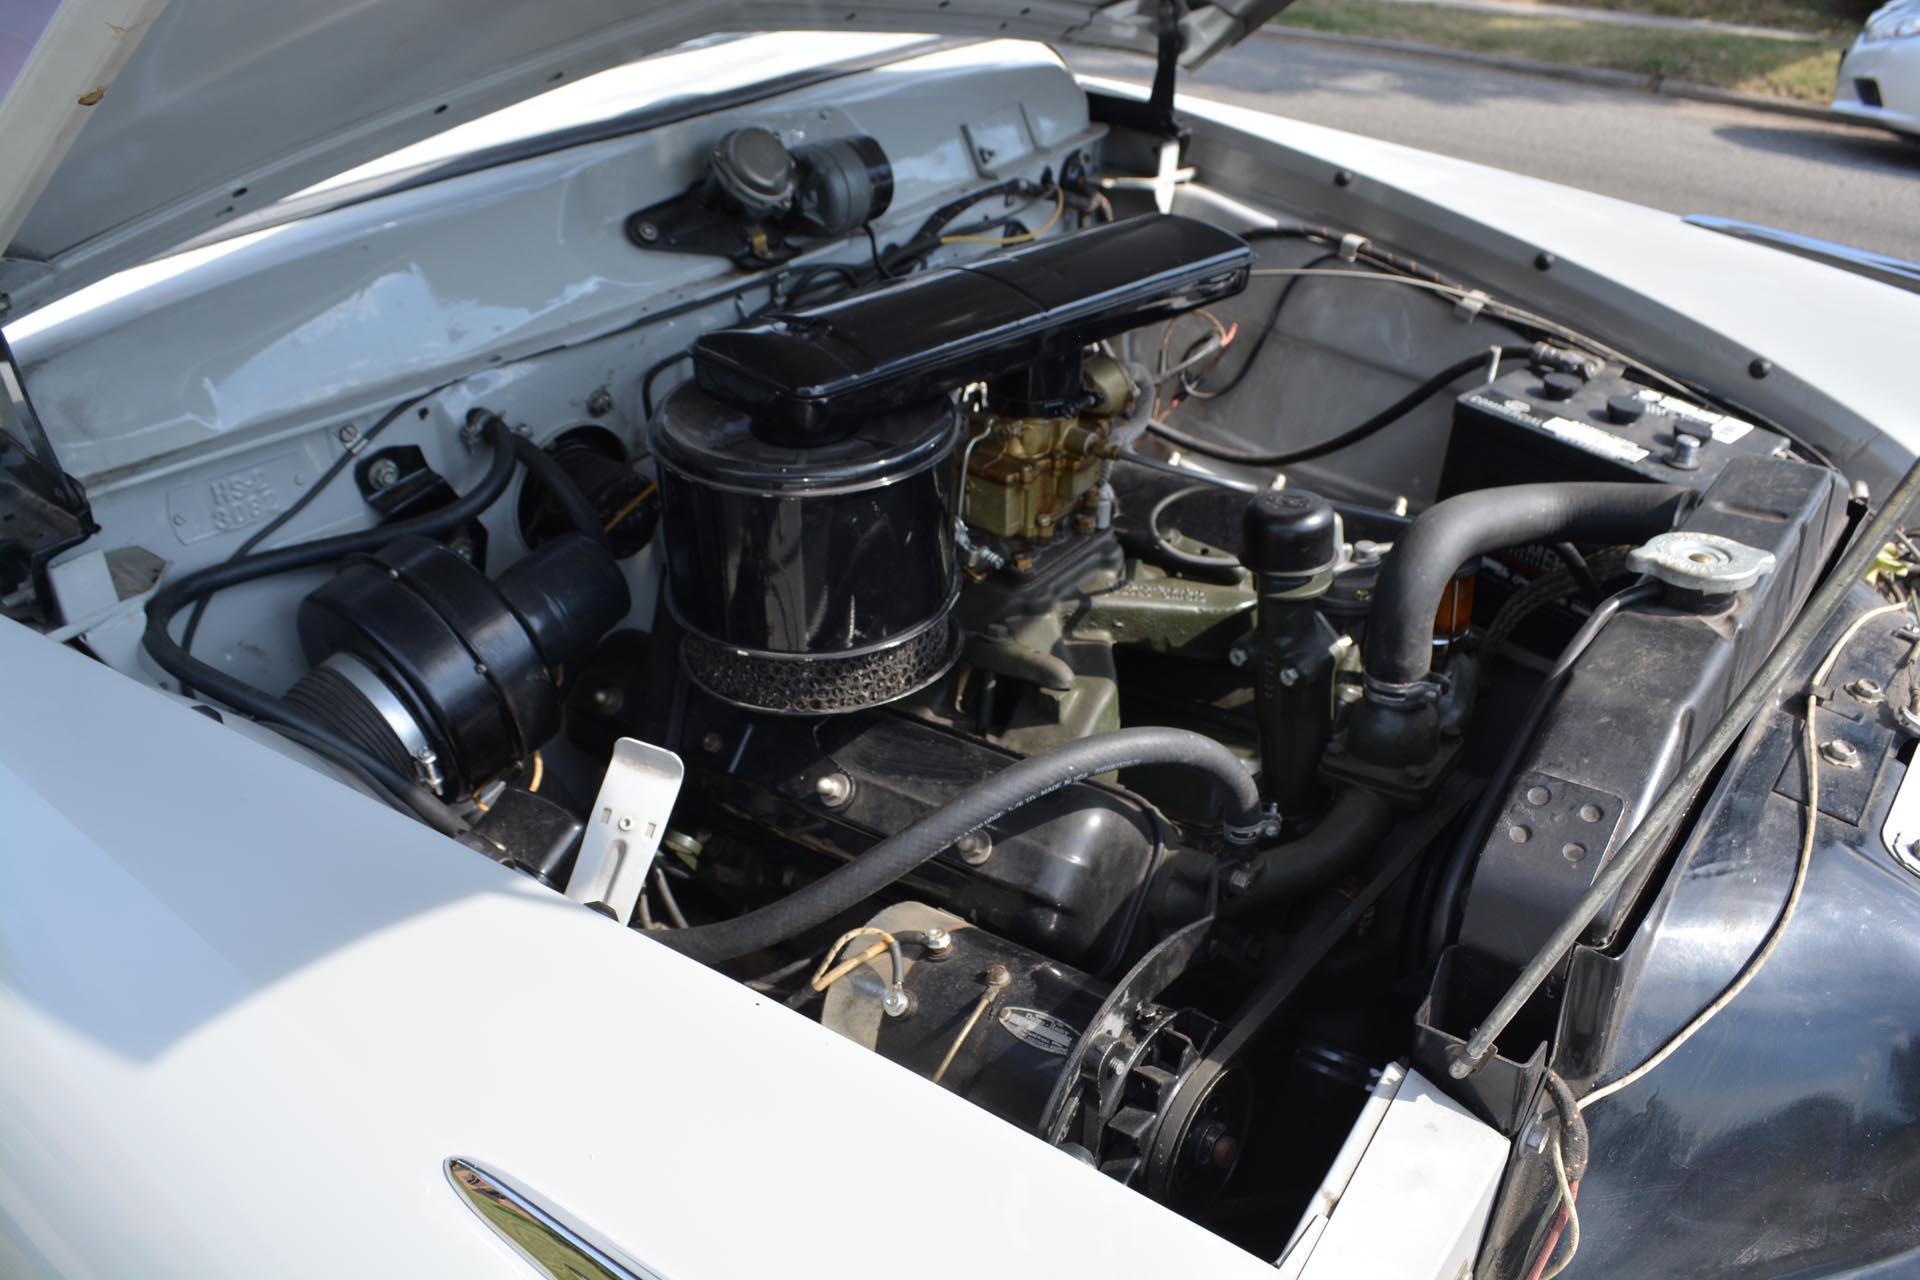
<point>134,126</point>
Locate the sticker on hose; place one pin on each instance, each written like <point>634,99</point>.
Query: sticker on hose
<point>1043,1031</point>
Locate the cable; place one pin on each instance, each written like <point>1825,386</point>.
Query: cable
<point>1568,1213</point>
<point>1353,435</point>
<point>1059,207</point>
<point>397,790</point>
<point>1570,1165</point>
<point>1809,750</point>
<point>1166,549</point>
<point>632,506</point>
<point>653,372</point>
<point>545,468</point>
<point>301,503</point>
<point>1267,330</point>
<point>824,976</point>
<point>170,599</point>
<point>667,901</point>
<point>1175,469</point>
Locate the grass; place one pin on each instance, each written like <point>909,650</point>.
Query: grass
<point>1800,69</point>
<point>1814,17</point>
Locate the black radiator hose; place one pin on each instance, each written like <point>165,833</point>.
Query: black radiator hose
<point>1397,725</point>
<point>1355,824</point>
<point>986,801</point>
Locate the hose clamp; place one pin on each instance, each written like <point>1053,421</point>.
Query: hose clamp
<point>1417,693</point>
<point>1264,826</point>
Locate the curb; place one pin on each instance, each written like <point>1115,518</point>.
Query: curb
<point>1635,80</point>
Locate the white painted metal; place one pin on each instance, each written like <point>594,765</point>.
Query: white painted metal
<point>247,1014</point>
<point>228,105</point>
<point>482,270</point>
<point>1409,1193</point>
<point>74,52</point>
<point>624,827</point>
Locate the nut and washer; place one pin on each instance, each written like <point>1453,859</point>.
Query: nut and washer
<point>384,473</point>
<point>1865,690</point>
<point>1839,751</point>
<point>939,943</point>
<point>896,1002</point>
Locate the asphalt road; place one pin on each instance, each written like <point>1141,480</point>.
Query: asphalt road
<point>1852,185</point>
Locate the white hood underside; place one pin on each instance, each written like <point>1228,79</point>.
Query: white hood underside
<point>134,126</point>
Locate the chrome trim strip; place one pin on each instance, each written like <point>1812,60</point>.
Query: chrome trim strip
<point>1885,268</point>
<point>554,1248</point>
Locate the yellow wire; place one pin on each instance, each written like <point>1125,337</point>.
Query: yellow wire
<point>630,508</point>
<point>824,978</point>
<point>539,772</point>
<point>1059,207</point>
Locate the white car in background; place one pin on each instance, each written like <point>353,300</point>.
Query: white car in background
<point>664,641</point>
<point>1879,81</point>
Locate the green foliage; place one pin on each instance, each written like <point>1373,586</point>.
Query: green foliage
<point>1802,69</point>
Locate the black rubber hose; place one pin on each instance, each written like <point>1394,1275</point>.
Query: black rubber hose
<point>900,854</point>
<point>1353,435</point>
<point>545,468</point>
<point>237,693</point>
<point>1448,534</point>
<point>1355,824</point>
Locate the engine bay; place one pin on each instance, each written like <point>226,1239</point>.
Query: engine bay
<point>929,623</point>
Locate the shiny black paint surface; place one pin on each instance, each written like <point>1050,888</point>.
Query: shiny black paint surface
<point>1784,1138</point>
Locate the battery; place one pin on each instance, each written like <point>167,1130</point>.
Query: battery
<point>1530,425</point>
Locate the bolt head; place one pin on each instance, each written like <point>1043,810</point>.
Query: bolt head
<point>896,1003</point>
<point>600,403</point>
<point>648,232</point>
<point>348,433</point>
<point>833,789</point>
<point>998,975</point>
<point>383,474</point>
<point>607,701</point>
<point>1290,676</point>
<point>939,941</point>
<point>974,848</point>
<point>1865,690</point>
<point>711,743</point>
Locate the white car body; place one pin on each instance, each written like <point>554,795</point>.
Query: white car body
<point>1879,80</point>
<point>248,1015</point>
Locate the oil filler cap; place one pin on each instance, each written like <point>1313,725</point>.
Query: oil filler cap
<point>1290,533</point>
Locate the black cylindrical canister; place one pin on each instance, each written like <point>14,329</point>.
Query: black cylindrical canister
<point>809,578</point>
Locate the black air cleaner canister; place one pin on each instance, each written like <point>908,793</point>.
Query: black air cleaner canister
<point>813,577</point>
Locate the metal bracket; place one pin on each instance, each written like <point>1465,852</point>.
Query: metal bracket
<point>624,830</point>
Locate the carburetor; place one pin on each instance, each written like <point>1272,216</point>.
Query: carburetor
<point>1030,475</point>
